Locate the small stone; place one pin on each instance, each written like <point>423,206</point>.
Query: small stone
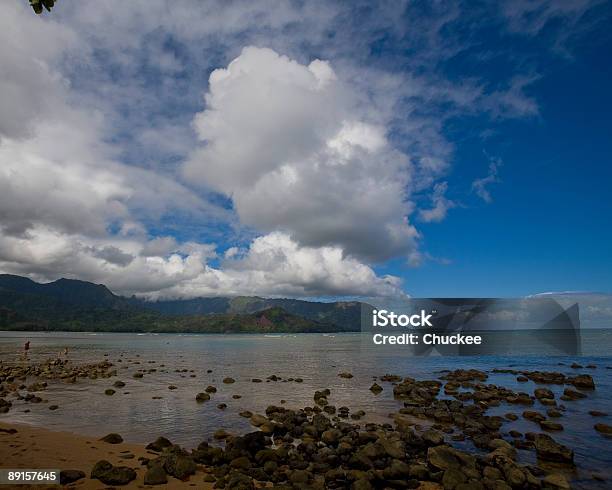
<point>603,428</point>
<point>70,476</point>
<point>112,438</point>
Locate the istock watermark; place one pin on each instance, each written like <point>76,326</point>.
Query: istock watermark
<point>473,326</point>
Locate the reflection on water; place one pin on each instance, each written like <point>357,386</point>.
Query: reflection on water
<point>317,359</point>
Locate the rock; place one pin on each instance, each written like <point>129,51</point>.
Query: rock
<point>99,469</point>
<point>548,449</point>
<point>603,428</point>
<point>222,406</point>
<point>179,464</point>
<point>202,397</point>
<point>522,379</point>
<point>555,481</point>
<point>53,407</point>
<point>109,392</point>
<point>112,438</point>
<point>221,434</point>
<point>446,457</point>
<point>397,470</point>
<point>210,389</point>
<point>258,420</point>
<point>553,412</point>
<point>70,476</point>
<point>584,381</point>
<point>173,387</point>
<point>569,394</point>
<point>597,413</point>
<point>452,478</point>
<point>533,415</point>
<point>345,375</point>
<point>155,475</point>
<point>137,375</point>
<point>229,380</point>
<point>118,384</point>
<point>159,444</point>
<point>241,463</point>
<point>550,425</point>
<point>376,388</point>
<point>543,393</point>
<point>433,437</point>
<point>118,475</point>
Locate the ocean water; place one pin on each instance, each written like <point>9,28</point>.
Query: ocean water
<point>316,358</point>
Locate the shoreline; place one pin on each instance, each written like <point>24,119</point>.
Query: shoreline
<point>37,447</point>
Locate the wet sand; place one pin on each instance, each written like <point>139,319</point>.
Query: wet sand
<point>38,448</point>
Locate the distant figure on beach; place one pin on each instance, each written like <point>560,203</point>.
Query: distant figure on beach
<point>26,348</point>
<point>66,353</point>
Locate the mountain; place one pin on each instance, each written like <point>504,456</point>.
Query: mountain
<point>72,305</point>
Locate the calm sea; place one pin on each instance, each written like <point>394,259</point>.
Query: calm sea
<point>316,358</point>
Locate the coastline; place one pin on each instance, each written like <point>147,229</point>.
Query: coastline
<point>38,447</point>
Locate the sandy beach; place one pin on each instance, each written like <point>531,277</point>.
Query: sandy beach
<point>35,447</point>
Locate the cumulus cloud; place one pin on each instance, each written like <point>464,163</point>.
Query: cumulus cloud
<point>288,144</point>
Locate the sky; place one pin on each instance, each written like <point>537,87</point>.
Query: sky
<point>308,149</point>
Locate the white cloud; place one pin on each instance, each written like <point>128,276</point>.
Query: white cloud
<point>289,144</point>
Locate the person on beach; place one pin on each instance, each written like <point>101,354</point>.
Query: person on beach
<point>26,348</point>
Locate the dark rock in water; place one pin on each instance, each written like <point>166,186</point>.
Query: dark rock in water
<point>70,476</point>
<point>246,414</point>
<point>173,387</point>
<point>155,475</point>
<point>53,407</point>
<point>553,412</point>
<point>575,365</point>
<point>548,449</point>
<point>99,469</point>
<point>533,415</point>
<point>109,392</point>
<point>345,375</point>
<point>584,381</point>
<point>118,384</point>
<point>522,379</point>
<point>229,380</point>
<point>118,475</point>
<point>202,397</point>
<point>159,444</point>
<point>210,389</point>
<point>543,393</point>
<point>603,428</point>
<point>137,375</point>
<point>550,425</point>
<point>112,438</point>
<point>569,394</point>
<point>376,388</point>
<point>597,413</point>
<point>222,406</point>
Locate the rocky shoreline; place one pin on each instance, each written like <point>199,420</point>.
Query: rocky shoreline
<point>443,437</point>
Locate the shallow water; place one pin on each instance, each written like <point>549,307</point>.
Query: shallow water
<point>84,408</point>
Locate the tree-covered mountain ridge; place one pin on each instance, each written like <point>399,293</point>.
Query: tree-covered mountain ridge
<point>74,305</point>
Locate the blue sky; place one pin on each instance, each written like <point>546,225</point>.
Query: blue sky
<point>309,149</point>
